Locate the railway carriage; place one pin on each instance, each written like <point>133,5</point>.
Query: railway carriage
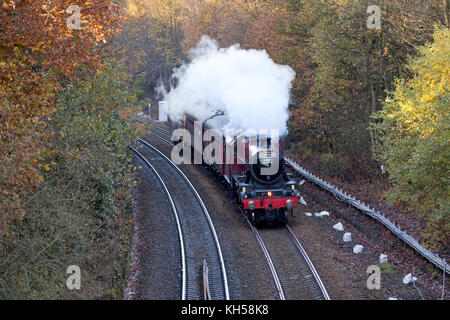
<point>261,196</point>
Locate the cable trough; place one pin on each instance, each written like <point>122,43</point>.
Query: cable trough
<point>377,215</point>
<point>342,196</point>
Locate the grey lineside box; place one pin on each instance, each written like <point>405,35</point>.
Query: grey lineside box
<point>162,114</point>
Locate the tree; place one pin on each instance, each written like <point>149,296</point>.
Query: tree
<point>81,212</point>
<point>350,69</point>
<point>151,40</point>
<point>413,130</point>
<point>37,51</point>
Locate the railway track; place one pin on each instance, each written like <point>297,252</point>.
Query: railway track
<point>198,239</point>
<point>361,206</point>
<point>293,273</point>
<point>431,257</point>
<point>177,220</point>
<point>162,130</point>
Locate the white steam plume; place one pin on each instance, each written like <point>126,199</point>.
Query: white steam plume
<point>247,85</point>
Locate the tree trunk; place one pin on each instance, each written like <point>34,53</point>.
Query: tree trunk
<point>446,12</point>
<point>373,110</point>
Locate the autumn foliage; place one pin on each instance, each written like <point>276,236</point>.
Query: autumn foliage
<point>413,129</point>
<point>66,96</point>
<point>37,52</point>
<point>65,175</point>
<point>344,73</point>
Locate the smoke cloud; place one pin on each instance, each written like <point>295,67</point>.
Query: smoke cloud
<point>247,85</point>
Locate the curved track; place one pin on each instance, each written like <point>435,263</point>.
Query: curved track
<point>177,219</point>
<point>293,272</point>
<point>196,231</point>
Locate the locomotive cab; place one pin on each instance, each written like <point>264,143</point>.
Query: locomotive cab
<point>266,191</point>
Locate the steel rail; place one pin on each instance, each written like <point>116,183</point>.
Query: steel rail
<point>153,127</point>
<point>206,291</point>
<point>305,256</point>
<point>269,259</point>
<point>260,241</point>
<point>162,139</point>
<point>177,219</point>
<point>205,212</point>
<point>162,130</point>
<point>275,277</point>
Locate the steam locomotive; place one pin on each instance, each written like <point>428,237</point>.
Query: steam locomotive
<point>256,173</point>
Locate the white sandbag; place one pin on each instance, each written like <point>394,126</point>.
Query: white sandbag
<point>347,237</point>
<point>408,278</point>
<point>338,226</point>
<point>383,258</point>
<point>302,201</point>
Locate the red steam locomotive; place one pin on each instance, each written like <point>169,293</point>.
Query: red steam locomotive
<point>263,193</point>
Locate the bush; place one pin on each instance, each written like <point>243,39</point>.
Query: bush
<point>413,131</point>
<point>81,213</point>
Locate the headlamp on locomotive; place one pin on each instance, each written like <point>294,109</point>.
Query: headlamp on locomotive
<point>264,190</point>
<point>254,167</point>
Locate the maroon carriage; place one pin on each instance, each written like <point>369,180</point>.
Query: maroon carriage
<point>254,168</point>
